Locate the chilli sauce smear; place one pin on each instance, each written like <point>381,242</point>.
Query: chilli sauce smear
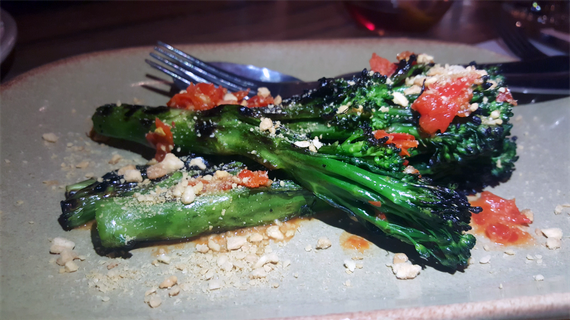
<point>500,221</point>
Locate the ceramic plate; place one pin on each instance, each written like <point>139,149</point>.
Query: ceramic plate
<point>60,98</point>
<point>8,34</point>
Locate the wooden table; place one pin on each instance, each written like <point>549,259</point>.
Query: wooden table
<point>49,31</point>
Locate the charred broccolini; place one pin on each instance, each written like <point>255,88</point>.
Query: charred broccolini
<point>128,213</point>
<point>358,145</point>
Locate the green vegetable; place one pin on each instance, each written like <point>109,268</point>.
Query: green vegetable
<point>123,220</point>
<point>82,199</point>
<point>429,217</point>
<point>351,170</point>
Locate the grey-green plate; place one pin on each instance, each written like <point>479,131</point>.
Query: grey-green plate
<point>60,97</point>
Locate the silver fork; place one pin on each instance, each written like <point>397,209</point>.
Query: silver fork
<point>186,69</point>
<point>542,76</point>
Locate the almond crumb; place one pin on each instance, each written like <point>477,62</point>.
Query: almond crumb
<point>485,260</point>
<point>174,291</point>
<point>400,258</point>
<point>115,159</point>
<point>50,137</point>
<point>155,302</point>
<point>168,282</point>
<point>323,243</point>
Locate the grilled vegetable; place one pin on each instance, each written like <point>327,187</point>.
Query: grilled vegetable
<point>124,221</point>
<point>132,212</point>
<point>350,143</point>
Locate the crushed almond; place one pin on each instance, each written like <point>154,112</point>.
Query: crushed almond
<point>169,164</point>
<point>263,92</point>
<point>60,244</point>
<point>50,137</point>
<point>168,282</point>
<point>115,159</point>
<point>323,243</point>
<point>554,233</point>
<point>400,99</point>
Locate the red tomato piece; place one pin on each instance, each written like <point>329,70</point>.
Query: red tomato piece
<point>402,141</point>
<point>440,103</point>
<point>161,139</point>
<point>506,96</point>
<point>259,101</point>
<point>500,219</point>
<point>375,203</point>
<point>202,96</point>
<point>382,65</point>
<point>253,179</point>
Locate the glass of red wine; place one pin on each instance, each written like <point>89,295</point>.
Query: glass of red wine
<point>398,16</point>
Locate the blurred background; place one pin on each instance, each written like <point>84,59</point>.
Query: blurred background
<point>46,31</point>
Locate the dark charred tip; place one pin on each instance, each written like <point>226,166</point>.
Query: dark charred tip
<point>329,116</point>
<point>131,109</point>
<point>476,209</point>
<point>67,208</point>
<point>383,140</point>
<point>245,111</point>
<point>205,128</point>
<point>147,123</point>
<point>153,111</point>
<point>105,110</point>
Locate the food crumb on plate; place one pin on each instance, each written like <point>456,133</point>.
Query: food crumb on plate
<point>510,252</point>
<point>323,243</point>
<point>485,260</point>
<point>559,208</point>
<point>154,302</point>
<point>50,137</point>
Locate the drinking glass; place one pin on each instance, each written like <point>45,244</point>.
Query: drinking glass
<point>397,16</point>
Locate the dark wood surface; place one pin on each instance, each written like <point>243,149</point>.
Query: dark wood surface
<point>52,30</point>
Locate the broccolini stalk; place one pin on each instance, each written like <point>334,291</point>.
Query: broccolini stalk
<point>125,221</point>
<point>85,200</point>
<point>431,218</point>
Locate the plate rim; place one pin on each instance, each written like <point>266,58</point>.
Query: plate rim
<point>538,306</point>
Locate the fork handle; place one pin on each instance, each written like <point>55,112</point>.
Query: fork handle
<point>540,65</point>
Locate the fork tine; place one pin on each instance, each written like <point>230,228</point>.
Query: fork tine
<point>182,71</point>
<point>173,73</point>
<point>200,67</point>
